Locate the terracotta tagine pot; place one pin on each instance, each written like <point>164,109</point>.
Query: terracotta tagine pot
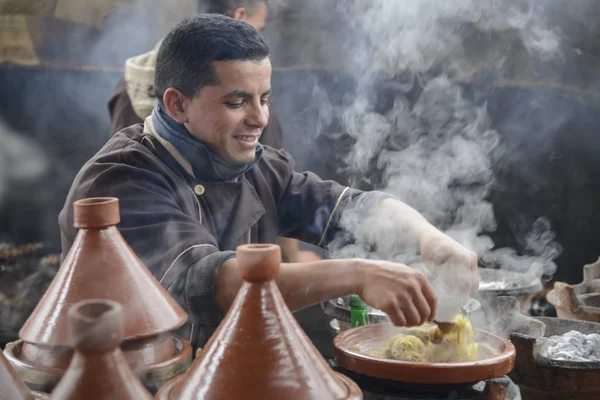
<point>259,351</point>
<point>540,377</point>
<point>352,346</point>
<point>101,265</point>
<point>98,369</point>
<point>11,386</point>
<point>581,301</point>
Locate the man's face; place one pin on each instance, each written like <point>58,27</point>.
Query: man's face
<point>229,117</point>
<point>257,17</point>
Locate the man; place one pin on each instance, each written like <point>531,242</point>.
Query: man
<point>194,183</point>
<point>134,99</point>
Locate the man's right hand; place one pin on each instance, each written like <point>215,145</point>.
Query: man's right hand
<point>403,293</point>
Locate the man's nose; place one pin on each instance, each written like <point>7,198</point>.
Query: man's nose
<point>259,116</point>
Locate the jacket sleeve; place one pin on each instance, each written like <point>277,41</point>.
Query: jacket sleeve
<point>179,250</point>
<point>308,207</point>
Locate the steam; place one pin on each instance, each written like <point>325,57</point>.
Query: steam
<point>61,110</point>
<point>417,35</point>
<point>430,144</point>
<point>22,160</point>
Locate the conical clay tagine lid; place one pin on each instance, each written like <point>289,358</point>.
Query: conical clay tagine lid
<point>98,370</point>
<point>101,265</point>
<point>259,351</point>
<point>11,386</point>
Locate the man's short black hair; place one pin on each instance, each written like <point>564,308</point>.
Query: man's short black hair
<point>226,7</point>
<point>185,57</point>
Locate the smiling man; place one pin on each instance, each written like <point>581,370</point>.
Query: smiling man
<point>194,183</point>
<point>134,99</point>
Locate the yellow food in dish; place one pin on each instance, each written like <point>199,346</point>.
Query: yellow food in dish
<point>407,348</point>
<point>430,344</point>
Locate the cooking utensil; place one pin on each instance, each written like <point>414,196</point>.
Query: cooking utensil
<point>448,308</point>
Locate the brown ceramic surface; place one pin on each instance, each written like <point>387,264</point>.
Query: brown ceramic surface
<point>373,336</point>
<point>140,354</point>
<point>101,265</point>
<point>153,376</point>
<point>259,351</point>
<point>11,386</point>
<point>541,378</point>
<point>98,370</point>
<point>57,357</point>
<point>96,213</point>
<point>35,377</point>
<point>156,375</point>
<point>149,351</point>
<point>166,392</point>
<point>581,301</point>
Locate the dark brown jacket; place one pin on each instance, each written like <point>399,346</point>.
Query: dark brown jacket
<point>184,228</point>
<point>122,115</point>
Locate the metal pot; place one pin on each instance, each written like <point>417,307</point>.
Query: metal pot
<point>496,283</point>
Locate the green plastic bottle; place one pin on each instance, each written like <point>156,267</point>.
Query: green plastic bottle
<point>359,312</point>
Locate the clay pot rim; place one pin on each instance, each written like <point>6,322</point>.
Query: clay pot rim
<point>164,393</point>
<point>184,352</point>
<point>109,308</point>
<point>351,359</point>
<point>353,390</point>
<point>545,361</point>
<point>94,201</point>
<point>12,350</point>
<point>258,247</point>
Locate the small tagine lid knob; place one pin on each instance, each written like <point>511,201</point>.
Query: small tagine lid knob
<point>259,262</point>
<point>96,213</point>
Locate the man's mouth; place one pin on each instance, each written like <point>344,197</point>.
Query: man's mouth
<point>247,142</point>
<point>248,139</point>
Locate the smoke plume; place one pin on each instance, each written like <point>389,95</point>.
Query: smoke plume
<point>412,129</point>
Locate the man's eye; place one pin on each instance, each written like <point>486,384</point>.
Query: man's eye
<point>234,105</point>
<point>265,101</point>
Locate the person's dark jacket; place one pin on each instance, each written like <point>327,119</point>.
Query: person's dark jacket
<point>183,227</point>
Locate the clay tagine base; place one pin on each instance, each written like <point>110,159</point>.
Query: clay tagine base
<point>98,370</point>
<point>166,392</point>
<point>101,265</point>
<point>542,378</point>
<point>44,378</point>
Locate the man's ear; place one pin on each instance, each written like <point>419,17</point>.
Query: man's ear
<point>175,105</point>
<point>239,14</point>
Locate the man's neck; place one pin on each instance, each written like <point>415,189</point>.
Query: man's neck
<point>205,164</point>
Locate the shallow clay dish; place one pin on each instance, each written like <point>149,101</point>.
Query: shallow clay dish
<point>377,335</point>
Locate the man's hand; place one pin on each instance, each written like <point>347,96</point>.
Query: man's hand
<point>453,262</point>
<point>403,293</point>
